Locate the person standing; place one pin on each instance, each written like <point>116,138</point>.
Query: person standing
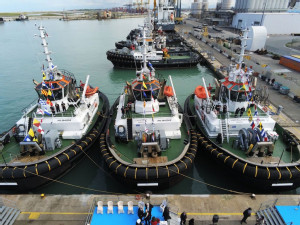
<point>183,217</point>
<point>147,217</point>
<point>166,214</point>
<point>141,213</point>
<point>246,213</point>
<point>149,207</point>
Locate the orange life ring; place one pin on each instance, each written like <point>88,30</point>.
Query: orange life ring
<point>168,91</point>
<point>200,92</point>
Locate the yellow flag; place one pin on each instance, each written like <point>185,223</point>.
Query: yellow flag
<point>260,126</point>
<point>31,133</point>
<point>44,76</point>
<point>34,139</point>
<point>49,92</point>
<point>144,85</point>
<point>144,104</point>
<point>249,112</point>
<point>250,118</point>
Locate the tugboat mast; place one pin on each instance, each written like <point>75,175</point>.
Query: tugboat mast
<point>51,67</point>
<point>243,46</point>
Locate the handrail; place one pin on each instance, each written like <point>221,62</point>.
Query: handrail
<point>30,105</point>
<point>90,213</point>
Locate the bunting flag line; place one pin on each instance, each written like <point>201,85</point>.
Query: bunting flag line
<point>249,112</point>
<point>252,125</point>
<point>144,85</point>
<point>250,118</point>
<point>31,133</point>
<point>36,123</point>
<point>46,112</point>
<point>27,139</point>
<point>42,102</point>
<point>44,84</point>
<point>44,92</point>
<point>264,135</point>
<point>260,126</point>
<point>40,130</point>
<point>40,111</point>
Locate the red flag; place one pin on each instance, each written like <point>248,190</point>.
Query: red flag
<point>153,108</point>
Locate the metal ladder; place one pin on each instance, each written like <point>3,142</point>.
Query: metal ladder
<point>8,212</point>
<point>271,215</point>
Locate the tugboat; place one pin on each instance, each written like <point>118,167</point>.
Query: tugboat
<point>22,18</point>
<point>165,50</point>
<point>238,132</point>
<point>146,144</point>
<point>54,131</point>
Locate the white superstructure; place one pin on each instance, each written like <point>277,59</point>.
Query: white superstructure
<point>145,91</point>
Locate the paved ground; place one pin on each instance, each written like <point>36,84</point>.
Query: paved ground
<point>74,209</point>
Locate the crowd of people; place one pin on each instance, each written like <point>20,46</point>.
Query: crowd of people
<point>146,218</point>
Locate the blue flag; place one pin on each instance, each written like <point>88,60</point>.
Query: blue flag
<point>144,94</point>
<point>27,138</point>
<point>46,112</point>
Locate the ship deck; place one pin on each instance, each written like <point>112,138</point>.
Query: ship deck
<point>11,151</point>
<point>280,154</point>
<point>129,152</point>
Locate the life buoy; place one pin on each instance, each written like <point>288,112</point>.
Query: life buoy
<point>265,109</point>
<point>200,92</point>
<point>168,91</point>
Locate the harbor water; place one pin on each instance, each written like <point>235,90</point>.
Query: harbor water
<point>80,47</point>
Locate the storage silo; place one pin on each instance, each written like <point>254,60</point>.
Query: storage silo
<point>205,5</point>
<point>237,4</point>
<point>285,4</point>
<point>256,5</point>
<point>260,5</point>
<point>277,4</point>
<point>250,5</point>
<point>244,4</point>
<point>272,4</point>
<point>227,4</point>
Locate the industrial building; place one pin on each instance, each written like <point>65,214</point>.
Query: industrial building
<point>261,5</point>
<point>276,23</point>
<point>273,14</point>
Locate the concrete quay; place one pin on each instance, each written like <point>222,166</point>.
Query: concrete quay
<point>74,209</point>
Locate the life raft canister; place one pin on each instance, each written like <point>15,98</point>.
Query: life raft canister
<point>168,91</point>
<point>200,92</point>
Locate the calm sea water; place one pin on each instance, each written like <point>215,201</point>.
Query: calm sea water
<point>80,47</point>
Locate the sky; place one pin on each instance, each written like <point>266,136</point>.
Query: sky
<point>60,5</point>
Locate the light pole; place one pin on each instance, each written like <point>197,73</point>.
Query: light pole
<point>262,16</point>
